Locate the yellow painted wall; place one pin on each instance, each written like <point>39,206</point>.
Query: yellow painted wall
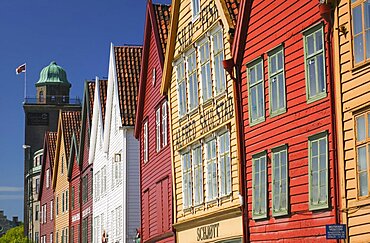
<point>352,84</point>
<point>62,185</point>
<point>195,133</point>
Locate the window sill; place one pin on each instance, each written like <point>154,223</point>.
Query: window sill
<point>220,95</point>
<point>280,214</point>
<point>259,216</point>
<point>278,112</point>
<point>318,207</point>
<point>256,122</point>
<point>359,66</point>
<point>317,97</point>
<point>208,102</point>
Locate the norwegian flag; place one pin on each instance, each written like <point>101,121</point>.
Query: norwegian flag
<point>21,69</point>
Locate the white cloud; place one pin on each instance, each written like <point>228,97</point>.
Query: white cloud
<point>11,189</point>
<point>11,197</point>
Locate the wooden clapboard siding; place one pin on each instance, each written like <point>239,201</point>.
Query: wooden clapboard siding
<point>155,175</point>
<point>272,24</point>
<point>181,215</point>
<point>76,210</point>
<point>351,95</point>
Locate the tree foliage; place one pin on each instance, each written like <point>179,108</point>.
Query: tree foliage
<point>14,235</point>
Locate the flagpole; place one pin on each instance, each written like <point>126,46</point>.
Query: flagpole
<point>25,84</point>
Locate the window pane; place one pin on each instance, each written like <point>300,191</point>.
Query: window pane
<point>254,103</point>
<point>310,44</point>
<point>362,163</point>
<point>259,71</point>
<point>312,77</point>
<point>280,60</point>
<point>314,147</point>
<point>367,16</point>
<point>321,73</point>
<point>281,91</point>
<point>364,189</point>
<point>361,129</point>
<point>260,100</point>
<point>368,44</point>
<point>252,75</point>
<point>273,64</point>
<point>357,20</point>
<point>318,39</point>
<point>274,92</point>
<point>359,48</point>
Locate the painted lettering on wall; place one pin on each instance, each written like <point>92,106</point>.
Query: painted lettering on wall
<point>76,217</point>
<point>207,232</point>
<point>86,212</point>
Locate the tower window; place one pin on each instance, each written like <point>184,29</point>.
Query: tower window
<point>41,96</point>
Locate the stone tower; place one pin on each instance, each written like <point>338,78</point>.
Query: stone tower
<point>41,115</point>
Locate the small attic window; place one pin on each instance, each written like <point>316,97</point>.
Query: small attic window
<point>153,76</point>
<point>41,96</point>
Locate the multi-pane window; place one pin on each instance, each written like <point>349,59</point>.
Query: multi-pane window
<point>224,164</point>
<point>205,70</point>
<point>97,185</point>
<point>37,185</point>
<point>145,142</point>
<point>197,175</point>
<point>315,63</point>
<point>218,57</point>
<point>47,178</point>
<point>192,80</point>
<point>279,181</point>
<point>118,222</point>
<point>84,230</point>
<point>277,81</point>
<point>164,124</point>
<point>195,7</point>
<point>259,182</point>
<point>158,128</point>
<point>67,200</point>
<point>211,166</point>
<point>361,30</point>
<point>363,153</point>
<point>117,169</point>
<point>73,198</point>
<point>57,206</point>
<point>256,104</point>
<point>51,210</point>
<point>103,180</point>
<point>186,180</point>
<point>84,188</point>
<point>181,87</point>
<point>318,171</point>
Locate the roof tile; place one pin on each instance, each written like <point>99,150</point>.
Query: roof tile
<point>71,124</point>
<point>51,143</point>
<point>162,18</point>
<point>91,89</point>
<point>103,86</point>
<point>128,63</point>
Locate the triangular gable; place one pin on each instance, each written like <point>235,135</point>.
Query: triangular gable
<point>48,148</point>
<point>87,111</point>
<point>97,116</point>
<point>69,123</point>
<point>156,21</point>
<point>72,155</point>
<point>228,14</point>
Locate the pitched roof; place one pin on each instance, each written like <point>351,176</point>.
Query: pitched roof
<point>71,124</point>
<point>51,143</point>
<point>162,18</point>
<point>103,86</point>
<point>90,90</point>
<point>128,59</point>
<point>233,9</point>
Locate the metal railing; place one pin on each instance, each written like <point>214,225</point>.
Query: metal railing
<point>55,99</point>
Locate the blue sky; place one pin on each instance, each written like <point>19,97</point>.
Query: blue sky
<point>77,35</point>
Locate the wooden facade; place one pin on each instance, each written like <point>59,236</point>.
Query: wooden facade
<point>352,106</point>
<point>286,85</point>
<point>46,195</point>
<point>152,110</point>
<point>203,128</point>
<point>69,123</point>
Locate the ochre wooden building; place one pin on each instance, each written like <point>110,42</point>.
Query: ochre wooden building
<point>206,172</point>
<point>286,84</point>
<point>69,123</point>
<point>151,128</point>
<point>352,79</point>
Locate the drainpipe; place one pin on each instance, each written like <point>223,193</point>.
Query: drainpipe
<point>326,12</point>
<point>229,66</point>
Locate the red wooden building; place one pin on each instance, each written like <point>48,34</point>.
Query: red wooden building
<point>86,183</point>
<point>151,129</point>
<point>282,51</point>
<point>74,178</point>
<point>46,194</point>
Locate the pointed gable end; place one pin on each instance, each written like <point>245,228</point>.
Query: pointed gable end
<point>128,59</point>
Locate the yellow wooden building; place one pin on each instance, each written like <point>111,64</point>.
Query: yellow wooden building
<point>352,90</point>
<point>69,123</point>
<point>206,182</point>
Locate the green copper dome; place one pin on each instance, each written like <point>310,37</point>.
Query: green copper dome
<point>53,75</point>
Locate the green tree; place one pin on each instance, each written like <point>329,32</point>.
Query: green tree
<point>14,235</point>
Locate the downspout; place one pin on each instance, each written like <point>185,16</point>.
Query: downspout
<point>229,65</point>
<point>329,20</point>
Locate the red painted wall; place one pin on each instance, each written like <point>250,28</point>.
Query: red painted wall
<point>46,197</point>
<point>76,211</point>
<point>271,24</point>
<point>86,170</point>
<point>156,174</point>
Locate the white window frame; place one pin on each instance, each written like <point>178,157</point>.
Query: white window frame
<point>192,79</point>
<point>258,82</point>
<point>218,56</point>
<point>205,80</point>
<point>311,59</point>
<point>225,182</point>
<point>164,123</point>
<point>47,178</point>
<point>261,211</point>
<point>195,9</point>
<point>274,75</point>
<point>197,164</point>
<point>158,128</point>
<point>317,204</point>
<point>211,171</point>
<point>145,142</point>
<point>181,87</point>
<point>186,177</point>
